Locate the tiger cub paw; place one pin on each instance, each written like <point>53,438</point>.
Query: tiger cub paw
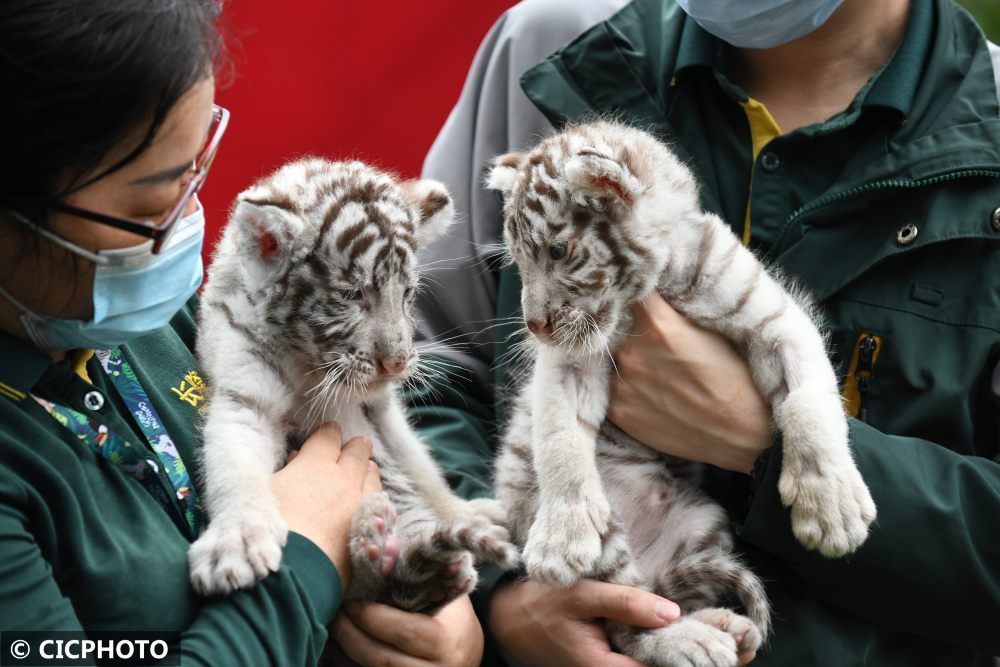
<point>831,507</point>
<point>744,632</point>
<point>373,545</point>
<point>235,552</point>
<point>830,504</point>
<point>487,541</point>
<point>565,543</point>
<point>691,642</point>
<point>487,508</point>
<point>438,564</point>
<point>430,573</point>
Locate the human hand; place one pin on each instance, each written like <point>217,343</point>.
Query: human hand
<point>686,391</point>
<point>560,627</point>
<point>376,634</point>
<point>320,488</point>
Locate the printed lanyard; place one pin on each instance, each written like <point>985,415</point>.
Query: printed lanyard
<point>134,461</point>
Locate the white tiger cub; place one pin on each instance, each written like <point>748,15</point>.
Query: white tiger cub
<point>596,217</point>
<point>306,317</point>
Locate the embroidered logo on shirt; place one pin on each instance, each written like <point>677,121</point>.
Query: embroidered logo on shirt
<point>192,391</point>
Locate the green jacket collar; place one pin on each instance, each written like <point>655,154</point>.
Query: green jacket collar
<point>697,48</point>
<point>23,366</point>
<point>896,84</point>
<point>893,87</point>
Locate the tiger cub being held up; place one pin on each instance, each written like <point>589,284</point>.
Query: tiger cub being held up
<point>596,218</point>
<point>306,317</point>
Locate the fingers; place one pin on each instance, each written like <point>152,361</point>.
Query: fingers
<point>368,650</point>
<point>619,660</point>
<point>654,314</point>
<point>413,634</point>
<point>656,307</point>
<point>355,455</point>
<point>328,436</point>
<point>746,658</point>
<point>373,483</point>
<point>641,318</point>
<point>625,604</point>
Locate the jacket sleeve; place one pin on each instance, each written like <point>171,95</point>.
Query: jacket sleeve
<point>931,565</point>
<point>282,621</point>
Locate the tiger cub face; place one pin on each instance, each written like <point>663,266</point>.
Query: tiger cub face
<point>587,215</point>
<point>329,256</point>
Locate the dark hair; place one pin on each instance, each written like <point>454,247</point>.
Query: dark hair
<point>77,77</point>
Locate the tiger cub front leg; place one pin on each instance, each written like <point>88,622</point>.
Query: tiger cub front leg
<point>565,541</point>
<point>413,460</point>
<point>246,532</point>
<point>831,507</point>
<point>429,556</point>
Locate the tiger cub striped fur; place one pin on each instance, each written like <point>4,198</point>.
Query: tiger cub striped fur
<point>595,218</point>
<point>307,317</point>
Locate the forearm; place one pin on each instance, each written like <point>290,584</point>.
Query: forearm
<point>281,621</point>
<point>934,546</point>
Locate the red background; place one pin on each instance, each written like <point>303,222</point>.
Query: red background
<point>367,80</point>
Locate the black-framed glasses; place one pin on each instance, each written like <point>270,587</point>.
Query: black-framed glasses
<point>160,230</point>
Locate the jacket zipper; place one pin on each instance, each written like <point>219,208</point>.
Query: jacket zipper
<point>875,186</point>
<point>860,374</point>
<point>864,373</point>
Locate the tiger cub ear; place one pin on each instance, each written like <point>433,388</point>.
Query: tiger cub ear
<point>503,174</point>
<point>597,174</point>
<point>433,206</point>
<point>268,225</point>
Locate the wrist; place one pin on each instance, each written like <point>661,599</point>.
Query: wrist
<point>750,460</point>
<point>500,608</point>
<point>753,445</point>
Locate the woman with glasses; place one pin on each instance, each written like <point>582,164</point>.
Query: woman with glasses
<point>109,129</point>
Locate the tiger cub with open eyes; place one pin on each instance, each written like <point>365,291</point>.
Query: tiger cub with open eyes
<point>596,218</point>
<point>306,317</point>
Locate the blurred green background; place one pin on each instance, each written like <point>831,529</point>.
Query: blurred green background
<point>987,12</point>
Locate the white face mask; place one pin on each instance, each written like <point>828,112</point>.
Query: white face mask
<point>135,291</point>
<point>759,24</point>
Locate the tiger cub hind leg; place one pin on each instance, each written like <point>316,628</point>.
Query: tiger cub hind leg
<point>683,552</point>
<point>704,636</point>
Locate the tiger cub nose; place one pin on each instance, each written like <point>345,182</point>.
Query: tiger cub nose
<point>392,366</point>
<point>540,328</point>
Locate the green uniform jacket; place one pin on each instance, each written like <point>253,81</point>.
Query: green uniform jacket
<point>889,213</point>
<point>83,546</point>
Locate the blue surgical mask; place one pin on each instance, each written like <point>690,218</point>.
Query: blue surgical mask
<point>759,24</point>
<point>135,291</point>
